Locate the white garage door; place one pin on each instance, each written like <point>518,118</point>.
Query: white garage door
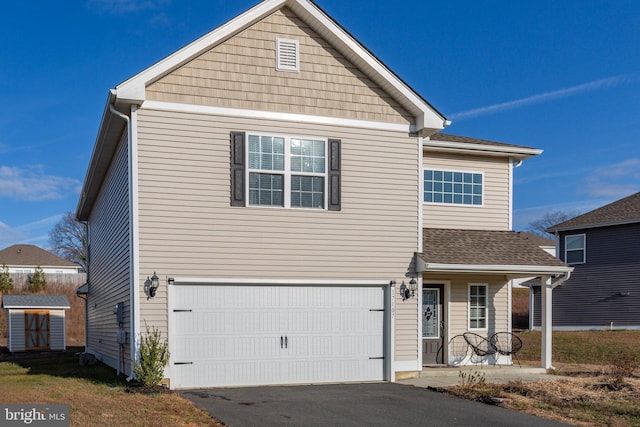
<point>253,335</point>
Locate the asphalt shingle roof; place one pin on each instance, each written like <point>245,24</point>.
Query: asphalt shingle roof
<point>482,247</point>
<point>465,139</point>
<point>623,211</point>
<point>35,301</point>
<point>31,255</point>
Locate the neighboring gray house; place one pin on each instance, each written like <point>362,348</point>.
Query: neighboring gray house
<point>603,291</point>
<point>284,209</point>
<point>36,322</point>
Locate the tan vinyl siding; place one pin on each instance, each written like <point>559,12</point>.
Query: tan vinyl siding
<point>188,228</point>
<point>493,215</point>
<point>56,330</point>
<point>241,73</point>
<point>109,261</point>
<point>17,330</point>
<point>497,310</point>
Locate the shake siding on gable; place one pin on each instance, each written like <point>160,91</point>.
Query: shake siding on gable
<point>110,260</point>
<point>494,215</point>
<point>188,228</point>
<point>240,73</point>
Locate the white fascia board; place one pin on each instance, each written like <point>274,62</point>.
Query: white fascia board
<point>272,115</point>
<point>259,281</point>
<point>36,307</point>
<point>507,151</point>
<point>133,89</point>
<point>578,228</point>
<point>528,270</point>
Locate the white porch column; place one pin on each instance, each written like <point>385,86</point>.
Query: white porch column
<point>546,319</point>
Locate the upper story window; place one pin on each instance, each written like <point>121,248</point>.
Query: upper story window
<point>575,249</point>
<point>285,171</point>
<point>453,187</point>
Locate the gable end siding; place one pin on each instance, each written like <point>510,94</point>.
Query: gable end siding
<point>241,73</point>
<point>109,260</point>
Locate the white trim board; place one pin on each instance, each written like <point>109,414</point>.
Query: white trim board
<point>300,282</point>
<point>271,115</point>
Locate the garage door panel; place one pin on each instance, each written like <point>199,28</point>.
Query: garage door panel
<point>252,335</point>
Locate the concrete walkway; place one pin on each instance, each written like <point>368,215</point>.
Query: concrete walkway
<point>450,376</point>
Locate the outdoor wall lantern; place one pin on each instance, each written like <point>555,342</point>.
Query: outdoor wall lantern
<point>153,287</point>
<point>408,291</point>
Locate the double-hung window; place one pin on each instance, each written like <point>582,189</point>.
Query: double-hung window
<point>575,249</point>
<point>285,171</point>
<point>453,187</point>
<point>478,306</point>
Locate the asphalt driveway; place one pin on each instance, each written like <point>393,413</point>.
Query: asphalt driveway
<point>351,405</point>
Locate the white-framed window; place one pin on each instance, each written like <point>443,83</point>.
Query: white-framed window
<point>286,171</point>
<point>453,187</point>
<point>478,299</point>
<point>575,249</point>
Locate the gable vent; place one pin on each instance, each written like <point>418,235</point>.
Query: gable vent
<point>287,55</point>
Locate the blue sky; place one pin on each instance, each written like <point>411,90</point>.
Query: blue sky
<point>563,76</point>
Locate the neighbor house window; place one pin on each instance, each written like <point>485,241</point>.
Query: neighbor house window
<point>452,187</point>
<point>287,171</point>
<point>478,306</point>
<point>575,249</point>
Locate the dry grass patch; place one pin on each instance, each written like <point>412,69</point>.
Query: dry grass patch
<point>590,401</point>
<point>96,396</point>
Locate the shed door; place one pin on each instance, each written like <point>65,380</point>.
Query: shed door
<point>253,335</point>
<point>36,333</point>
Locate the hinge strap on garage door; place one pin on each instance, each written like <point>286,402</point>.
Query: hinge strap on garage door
<point>182,311</point>
<point>183,363</point>
<point>376,358</point>
<point>376,309</point>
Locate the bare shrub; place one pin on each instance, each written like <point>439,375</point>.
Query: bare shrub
<point>622,366</point>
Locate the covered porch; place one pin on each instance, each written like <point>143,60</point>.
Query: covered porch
<point>471,271</point>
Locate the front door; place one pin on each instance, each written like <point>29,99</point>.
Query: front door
<point>432,325</point>
<point>36,331</point>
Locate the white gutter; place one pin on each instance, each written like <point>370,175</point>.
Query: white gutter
<point>559,282</point>
<point>485,148</point>
<point>498,269</point>
<point>133,303</point>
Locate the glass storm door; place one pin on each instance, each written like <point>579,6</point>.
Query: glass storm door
<point>432,351</point>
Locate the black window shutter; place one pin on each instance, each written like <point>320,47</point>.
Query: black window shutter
<point>334,175</point>
<point>237,169</point>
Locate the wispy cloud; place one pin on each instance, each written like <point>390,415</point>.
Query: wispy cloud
<point>122,7</point>
<point>614,181</point>
<point>547,96</point>
<point>32,184</point>
<point>36,232</point>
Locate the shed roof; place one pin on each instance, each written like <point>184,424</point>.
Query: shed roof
<point>32,255</point>
<point>623,211</point>
<point>504,252</point>
<point>35,301</point>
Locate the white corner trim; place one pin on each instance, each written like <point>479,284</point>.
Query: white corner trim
<point>134,236</point>
<point>272,115</point>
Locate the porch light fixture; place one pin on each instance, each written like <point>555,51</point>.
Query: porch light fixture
<point>153,287</point>
<point>408,291</point>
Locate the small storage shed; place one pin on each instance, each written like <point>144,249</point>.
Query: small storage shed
<point>36,322</point>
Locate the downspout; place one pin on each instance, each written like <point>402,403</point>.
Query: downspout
<point>133,304</point>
